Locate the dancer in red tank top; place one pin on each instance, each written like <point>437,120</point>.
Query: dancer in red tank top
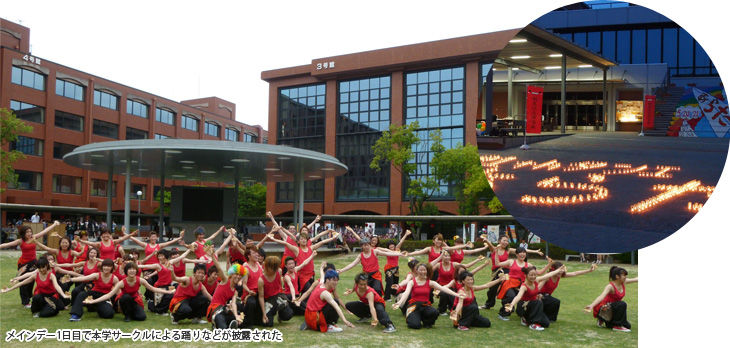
<point>419,312</point>
<point>528,305</point>
<point>391,267</point>
<point>466,311</point>
<point>270,298</point>
<point>161,277</point>
<point>102,282</point>
<point>45,301</point>
<point>551,305</point>
<point>192,298</point>
<point>370,265</point>
<point>446,274</point>
<point>219,313</point>
<point>612,296</point>
<point>370,306</point>
<point>301,252</point>
<point>289,234</point>
<point>322,310</point>
<point>510,287</point>
<point>108,246</point>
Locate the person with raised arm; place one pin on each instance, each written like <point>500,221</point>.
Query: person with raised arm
<point>466,312</point>
<point>323,311</point>
<point>446,274</point>
<point>45,301</point>
<point>27,260</point>
<point>163,269</point>
<point>511,286</point>
<point>500,253</point>
<point>551,305</point>
<point>528,304</point>
<point>391,266</point>
<point>127,291</point>
<point>613,315</point>
<point>291,285</point>
<point>200,240</point>
<point>302,251</point>
<point>419,312</point>
<point>103,282</point>
<point>370,265</point>
<point>108,246</point>
<point>370,307</point>
<point>221,314</point>
<point>191,298</point>
<point>458,254</point>
<point>289,234</point>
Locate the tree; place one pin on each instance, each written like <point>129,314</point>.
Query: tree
<point>166,201</point>
<point>10,128</point>
<point>395,147</point>
<point>252,200</point>
<point>461,167</point>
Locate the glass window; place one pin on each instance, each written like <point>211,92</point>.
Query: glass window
<point>161,136</point>
<point>28,112</point>
<point>69,121</point>
<point>594,41</point>
<point>249,138</point>
<point>212,129</point>
<point>31,181</point>
<point>28,146</point>
<point>66,184</point>
<point>28,78</point>
<point>702,61</point>
<point>231,134</point>
<point>190,123</point>
<point>107,100</point>
<point>106,129</point>
<point>137,109</point>
<point>654,46</point>
<point>638,47</point>
<point>136,188</point>
<point>623,47</point>
<point>61,149</point>
<point>686,53</point>
<point>670,49</point>
<point>164,116</point>
<point>69,90</point>
<point>136,134</point>
<point>609,45</point>
<point>99,188</point>
<point>579,39</point>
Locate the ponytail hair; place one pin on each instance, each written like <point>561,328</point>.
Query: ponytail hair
<point>616,272</point>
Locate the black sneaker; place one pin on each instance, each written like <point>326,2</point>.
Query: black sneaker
<point>127,319</point>
<point>389,329</point>
<point>233,324</point>
<point>304,326</point>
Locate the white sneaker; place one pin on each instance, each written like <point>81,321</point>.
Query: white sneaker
<point>173,320</point>
<point>37,315</point>
<point>621,329</point>
<point>523,321</point>
<point>503,318</point>
<point>199,321</point>
<point>536,327</point>
<point>333,328</point>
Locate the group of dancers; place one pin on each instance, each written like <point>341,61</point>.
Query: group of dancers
<point>253,289</point>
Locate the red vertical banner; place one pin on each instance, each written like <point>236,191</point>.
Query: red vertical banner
<point>533,123</point>
<point>649,103</point>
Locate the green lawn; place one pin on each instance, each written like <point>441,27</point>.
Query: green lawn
<point>573,328</point>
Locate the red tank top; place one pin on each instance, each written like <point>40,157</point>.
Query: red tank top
<point>101,286</point>
<point>515,271</point>
<point>467,301</point>
<point>392,261</point>
<point>222,294</point>
<point>308,269</point>
<point>550,286</point>
<point>237,256</point>
<point>83,249</point>
<point>610,298</point>
<point>433,255</point>
<point>272,288</point>
<point>149,250</point>
<point>44,287</point>
<point>502,258</point>
<point>200,250</point>
<point>446,275</point>
<point>315,303</point>
<point>376,296</point>
<point>27,252</point>
<point>286,288</point>
<point>253,279</point>
<point>90,270</point>
<point>288,252</point>
<point>457,256</point>
<point>530,294</point>
<point>69,258</point>
<point>120,271</point>
<point>179,269</point>
<point>210,287</point>
<point>369,264</point>
<point>164,277</point>
<point>420,293</point>
<point>132,290</point>
<point>106,252</point>
<point>187,291</point>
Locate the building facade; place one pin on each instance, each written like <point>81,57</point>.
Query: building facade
<point>341,105</point>
<point>68,108</point>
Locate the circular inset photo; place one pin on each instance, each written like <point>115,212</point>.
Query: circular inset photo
<point>609,127</point>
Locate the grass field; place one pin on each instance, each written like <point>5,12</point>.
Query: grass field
<point>573,328</point>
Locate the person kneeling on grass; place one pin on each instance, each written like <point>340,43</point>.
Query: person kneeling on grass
<point>45,301</point>
<point>371,306</point>
<point>322,310</point>
<point>527,301</point>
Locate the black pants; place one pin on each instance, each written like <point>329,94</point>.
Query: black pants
<point>421,315</point>
<point>194,307</point>
<point>376,284</point>
<point>362,310</point>
<point>45,305</point>
<point>391,277</point>
<point>446,301</point>
<point>149,295</point>
<point>296,310</point>
<point>509,295</point>
<point>252,310</point>
<point>78,289</point>
<point>279,308</point>
<point>533,313</point>
<point>103,309</point>
<point>223,319</point>
<point>493,291</point>
<point>131,309</point>
<point>470,317</point>
<point>65,287</point>
<point>26,291</point>
<point>330,314</point>
<point>618,317</point>
<point>551,307</point>
<point>164,303</point>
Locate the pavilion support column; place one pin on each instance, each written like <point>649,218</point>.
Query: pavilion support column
<point>605,110</point>
<point>563,77</point>
<point>235,199</point>
<point>127,190</point>
<point>161,222</point>
<point>295,208</point>
<point>109,194</point>
<point>509,92</point>
<point>301,200</point>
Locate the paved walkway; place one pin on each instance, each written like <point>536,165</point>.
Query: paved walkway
<point>608,225</point>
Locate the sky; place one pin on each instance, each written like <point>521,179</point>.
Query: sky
<point>189,49</point>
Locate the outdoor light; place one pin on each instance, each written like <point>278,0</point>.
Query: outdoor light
<point>551,165</point>
<point>517,40</point>
<point>187,162</point>
<point>694,206</point>
<point>556,55</point>
<point>139,204</point>
<point>239,160</point>
<point>520,57</point>
<point>599,193</point>
<point>584,166</point>
<point>552,67</point>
